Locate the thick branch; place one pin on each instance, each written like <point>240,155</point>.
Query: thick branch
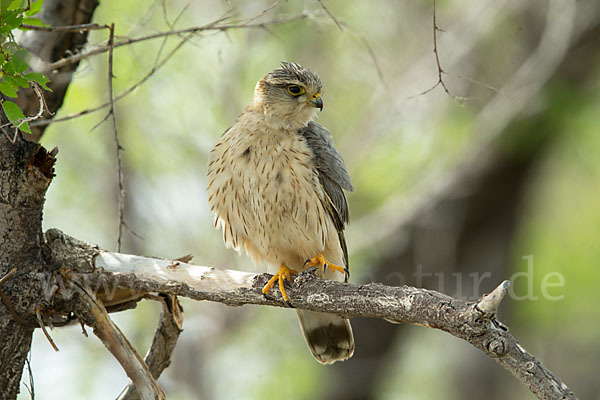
<point>404,304</point>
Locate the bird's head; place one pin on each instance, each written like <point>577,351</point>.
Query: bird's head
<point>290,93</point>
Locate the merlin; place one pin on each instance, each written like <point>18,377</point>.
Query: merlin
<point>276,186</point>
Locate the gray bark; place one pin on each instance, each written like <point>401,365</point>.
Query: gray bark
<point>26,170</point>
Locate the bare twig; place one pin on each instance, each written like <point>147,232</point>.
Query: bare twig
<point>123,93</point>
<point>441,71</point>
<point>9,275</point>
<point>170,325</point>
<point>213,26</point>
<point>333,18</point>
<point>111,112</point>
<point>260,14</point>
<point>94,314</point>
<point>359,36</point>
<point>31,386</point>
<point>43,326</point>
<point>67,28</point>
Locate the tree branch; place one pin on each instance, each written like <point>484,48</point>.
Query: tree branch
<point>170,325</point>
<point>474,322</point>
<point>94,314</point>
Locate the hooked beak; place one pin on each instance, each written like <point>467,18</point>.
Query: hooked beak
<point>316,101</point>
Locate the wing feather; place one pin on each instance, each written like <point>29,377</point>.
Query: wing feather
<point>333,176</point>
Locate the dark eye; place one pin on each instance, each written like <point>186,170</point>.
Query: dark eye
<point>295,90</point>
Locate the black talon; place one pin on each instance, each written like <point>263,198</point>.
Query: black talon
<point>325,265</point>
<point>306,262</point>
<point>289,304</point>
<point>347,273</point>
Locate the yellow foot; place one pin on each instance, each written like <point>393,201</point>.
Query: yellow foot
<point>322,262</point>
<point>282,275</point>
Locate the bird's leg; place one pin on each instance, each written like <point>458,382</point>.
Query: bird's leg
<point>322,262</point>
<point>282,275</point>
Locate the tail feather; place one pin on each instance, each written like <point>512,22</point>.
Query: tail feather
<point>329,337</point>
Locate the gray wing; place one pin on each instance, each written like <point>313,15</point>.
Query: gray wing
<point>332,175</point>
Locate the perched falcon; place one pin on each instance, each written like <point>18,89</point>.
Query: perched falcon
<point>275,185</point>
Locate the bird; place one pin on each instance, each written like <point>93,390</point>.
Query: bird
<point>276,186</point>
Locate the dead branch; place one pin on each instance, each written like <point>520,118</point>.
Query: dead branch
<point>93,313</point>
<point>474,322</point>
<point>158,358</point>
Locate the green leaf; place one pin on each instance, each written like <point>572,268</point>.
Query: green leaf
<point>36,6</point>
<point>34,22</point>
<point>2,59</point>
<point>7,89</point>
<point>25,127</point>
<point>10,48</point>
<point>11,20</point>
<point>16,81</point>
<point>9,68</point>
<point>14,115</point>
<point>14,4</point>
<point>20,60</point>
<point>38,78</point>
<point>12,111</point>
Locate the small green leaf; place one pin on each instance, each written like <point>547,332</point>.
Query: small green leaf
<point>20,60</point>
<point>15,4</point>
<point>7,89</point>
<point>12,111</point>
<point>25,127</point>
<point>9,67</point>
<point>2,59</point>
<point>11,20</point>
<point>34,22</point>
<point>36,6</point>
<point>10,48</point>
<point>39,78</point>
<point>15,115</point>
<point>16,81</point>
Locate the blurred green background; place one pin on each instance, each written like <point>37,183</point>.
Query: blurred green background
<point>502,179</point>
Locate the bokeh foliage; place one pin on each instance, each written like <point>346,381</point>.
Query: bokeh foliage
<point>395,144</point>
